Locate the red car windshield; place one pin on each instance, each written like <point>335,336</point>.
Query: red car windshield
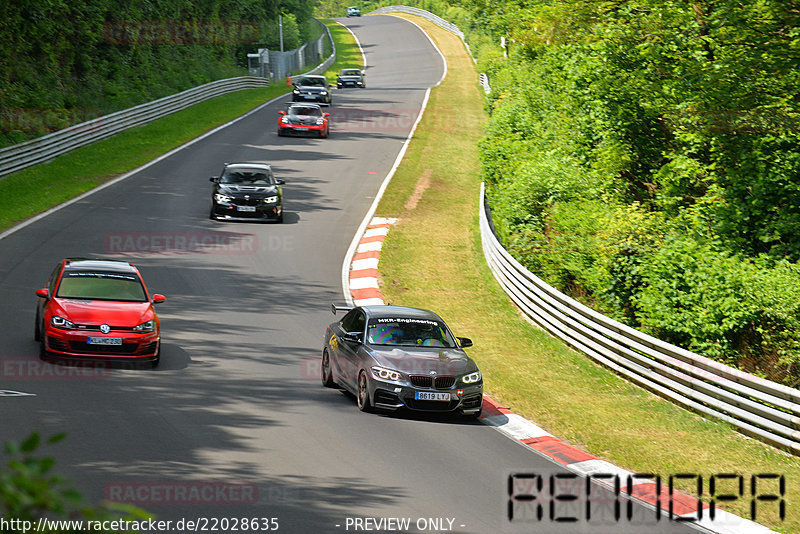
<point>101,286</point>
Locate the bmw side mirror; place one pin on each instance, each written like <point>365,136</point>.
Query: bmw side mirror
<point>352,337</point>
<point>158,298</point>
<point>280,181</point>
<point>43,293</point>
<point>213,179</point>
<point>464,342</point>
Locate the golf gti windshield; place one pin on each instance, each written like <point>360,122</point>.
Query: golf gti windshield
<point>101,286</point>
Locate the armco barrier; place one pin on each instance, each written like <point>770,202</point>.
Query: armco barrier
<point>757,407</point>
<point>439,21</point>
<point>47,147</point>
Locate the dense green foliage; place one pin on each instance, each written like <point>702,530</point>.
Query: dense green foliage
<point>29,490</point>
<point>644,157</point>
<point>66,61</point>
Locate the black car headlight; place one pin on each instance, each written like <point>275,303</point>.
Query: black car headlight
<point>222,198</point>
<point>323,93</point>
<point>382,373</point>
<point>472,378</point>
<point>60,322</point>
<point>296,92</point>
<point>270,200</point>
<point>147,326</point>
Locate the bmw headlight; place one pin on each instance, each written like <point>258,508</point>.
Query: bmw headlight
<point>270,200</point>
<point>148,326</point>
<point>471,378</point>
<point>60,322</point>
<point>383,373</point>
<point>296,91</point>
<point>222,198</point>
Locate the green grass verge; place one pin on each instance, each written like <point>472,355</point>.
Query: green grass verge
<point>39,188</point>
<point>433,259</point>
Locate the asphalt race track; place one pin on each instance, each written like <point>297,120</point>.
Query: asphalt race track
<point>234,422</point>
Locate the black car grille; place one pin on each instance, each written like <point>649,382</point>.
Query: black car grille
<point>57,344</point>
<point>473,401</point>
<point>96,328</point>
<point>425,381</point>
<point>82,346</point>
<point>246,202</point>
<point>432,406</point>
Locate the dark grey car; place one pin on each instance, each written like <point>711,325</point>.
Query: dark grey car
<point>393,357</point>
<point>351,78</point>
<point>312,88</point>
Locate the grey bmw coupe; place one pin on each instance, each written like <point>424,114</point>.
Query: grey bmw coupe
<point>393,357</point>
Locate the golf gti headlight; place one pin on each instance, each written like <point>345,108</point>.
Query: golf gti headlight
<point>270,200</point>
<point>383,373</point>
<point>60,322</point>
<point>148,326</point>
<point>222,198</point>
<point>471,378</point>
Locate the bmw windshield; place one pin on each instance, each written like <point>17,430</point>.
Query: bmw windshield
<point>406,331</point>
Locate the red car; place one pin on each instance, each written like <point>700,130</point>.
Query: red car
<point>303,118</point>
<point>94,309</point>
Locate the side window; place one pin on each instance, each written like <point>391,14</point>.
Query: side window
<point>355,321</point>
<point>51,282</point>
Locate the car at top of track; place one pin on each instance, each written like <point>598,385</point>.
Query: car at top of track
<point>94,309</point>
<point>353,11</point>
<point>247,192</point>
<point>303,118</point>
<point>393,357</point>
<point>351,78</point>
<point>312,88</point>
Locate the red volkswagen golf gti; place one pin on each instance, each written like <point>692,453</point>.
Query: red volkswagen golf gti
<point>94,309</point>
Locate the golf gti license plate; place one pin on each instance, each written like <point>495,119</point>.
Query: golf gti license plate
<point>424,395</point>
<point>104,341</point>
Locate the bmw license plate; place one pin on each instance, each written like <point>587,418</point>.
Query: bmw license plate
<point>104,341</point>
<point>432,396</point>
<point>246,208</point>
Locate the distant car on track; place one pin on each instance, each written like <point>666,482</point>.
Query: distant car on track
<point>393,357</point>
<point>353,11</point>
<point>303,119</point>
<point>312,88</point>
<point>351,78</point>
<point>247,192</point>
<point>97,309</point>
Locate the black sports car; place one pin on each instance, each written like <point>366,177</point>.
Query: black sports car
<point>312,88</point>
<point>392,357</point>
<point>246,192</point>
<point>351,78</point>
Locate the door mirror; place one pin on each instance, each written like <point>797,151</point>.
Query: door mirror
<point>158,298</point>
<point>280,181</point>
<point>281,112</point>
<point>352,337</point>
<point>213,179</point>
<point>43,293</point>
<point>464,342</point>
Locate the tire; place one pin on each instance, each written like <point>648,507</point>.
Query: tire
<point>325,371</point>
<point>280,217</point>
<point>37,330</point>
<point>43,351</point>
<point>362,398</point>
<point>281,133</point>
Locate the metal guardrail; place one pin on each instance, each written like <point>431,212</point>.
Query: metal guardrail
<point>439,21</point>
<point>47,147</point>
<point>757,407</point>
